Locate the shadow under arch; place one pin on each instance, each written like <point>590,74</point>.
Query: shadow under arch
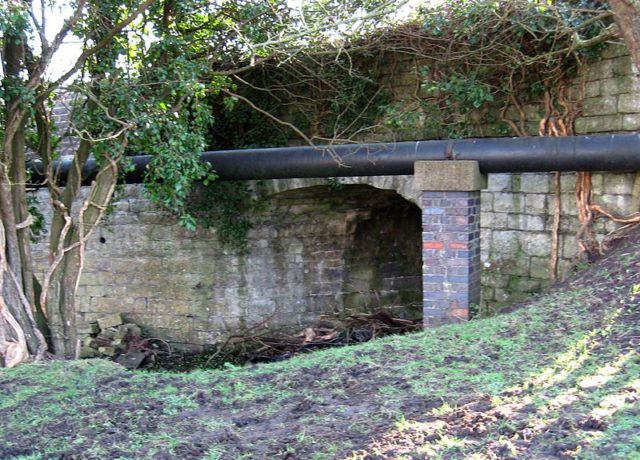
<point>361,248</point>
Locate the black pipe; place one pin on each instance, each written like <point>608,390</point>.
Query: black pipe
<point>602,152</point>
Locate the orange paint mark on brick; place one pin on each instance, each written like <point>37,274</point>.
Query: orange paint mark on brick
<point>458,245</point>
<point>458,313</point>
<point>433,245</point>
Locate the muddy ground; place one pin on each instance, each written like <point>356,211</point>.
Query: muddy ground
<point>557,378</point>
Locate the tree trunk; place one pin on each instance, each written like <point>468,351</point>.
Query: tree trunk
<point>13,344</point>
<point>16,284</point>
<point>12,289</point>
<point>627,17</point>
<point>19,291</point>
<point>60,287</point>
<point>21,211</point>
<point>61,303</point>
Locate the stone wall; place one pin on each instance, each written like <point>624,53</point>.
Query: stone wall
<point>517,209</point>
<point>609,88</point>
<point>517,216</point>
<point>317,249</point>
<point>314,249</point>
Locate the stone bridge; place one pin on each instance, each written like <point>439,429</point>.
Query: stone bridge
<point>321,246</point>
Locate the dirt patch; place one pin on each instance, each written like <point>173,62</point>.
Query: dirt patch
<point>398,398</point>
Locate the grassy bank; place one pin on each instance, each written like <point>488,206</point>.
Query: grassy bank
<point>559,377</point>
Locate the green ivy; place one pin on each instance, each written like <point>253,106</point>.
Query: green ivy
<point>225,206</point>
<point>483,55</point>
<point>464,92</point>
<point>38,227</point>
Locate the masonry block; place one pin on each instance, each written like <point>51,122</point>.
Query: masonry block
<point>499,182</point>
<point>631,122</point>
<point>619,183</point>
<point>599,124</point>
<point>449,176</point>
<point>592,88</point>
<point>603,105</point>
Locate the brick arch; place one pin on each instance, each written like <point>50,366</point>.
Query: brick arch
<point>402,185</point>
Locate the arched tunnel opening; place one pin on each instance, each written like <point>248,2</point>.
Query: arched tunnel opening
<point>345,249</point>
<point>383,266</point>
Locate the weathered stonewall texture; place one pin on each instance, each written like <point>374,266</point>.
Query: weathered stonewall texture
<point>517,209</point>
<point>312,251</point>
<point>610,87</point>
<point>517,217</point>
<point>315,253</point>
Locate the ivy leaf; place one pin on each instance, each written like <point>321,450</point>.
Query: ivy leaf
<point>188,221</point>
<point>230,102</point>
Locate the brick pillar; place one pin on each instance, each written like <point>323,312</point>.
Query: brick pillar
<point>450,205</point>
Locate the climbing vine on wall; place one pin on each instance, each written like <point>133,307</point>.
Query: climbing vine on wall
<point>478,63</point>
<point>224,205</point>
<point>474,67</point>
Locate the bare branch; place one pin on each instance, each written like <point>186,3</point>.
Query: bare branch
<point>280,121</point>
<point>104,41</point>
<point>48,52</point>
<point>84,134</point>
<point>41,31</point>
